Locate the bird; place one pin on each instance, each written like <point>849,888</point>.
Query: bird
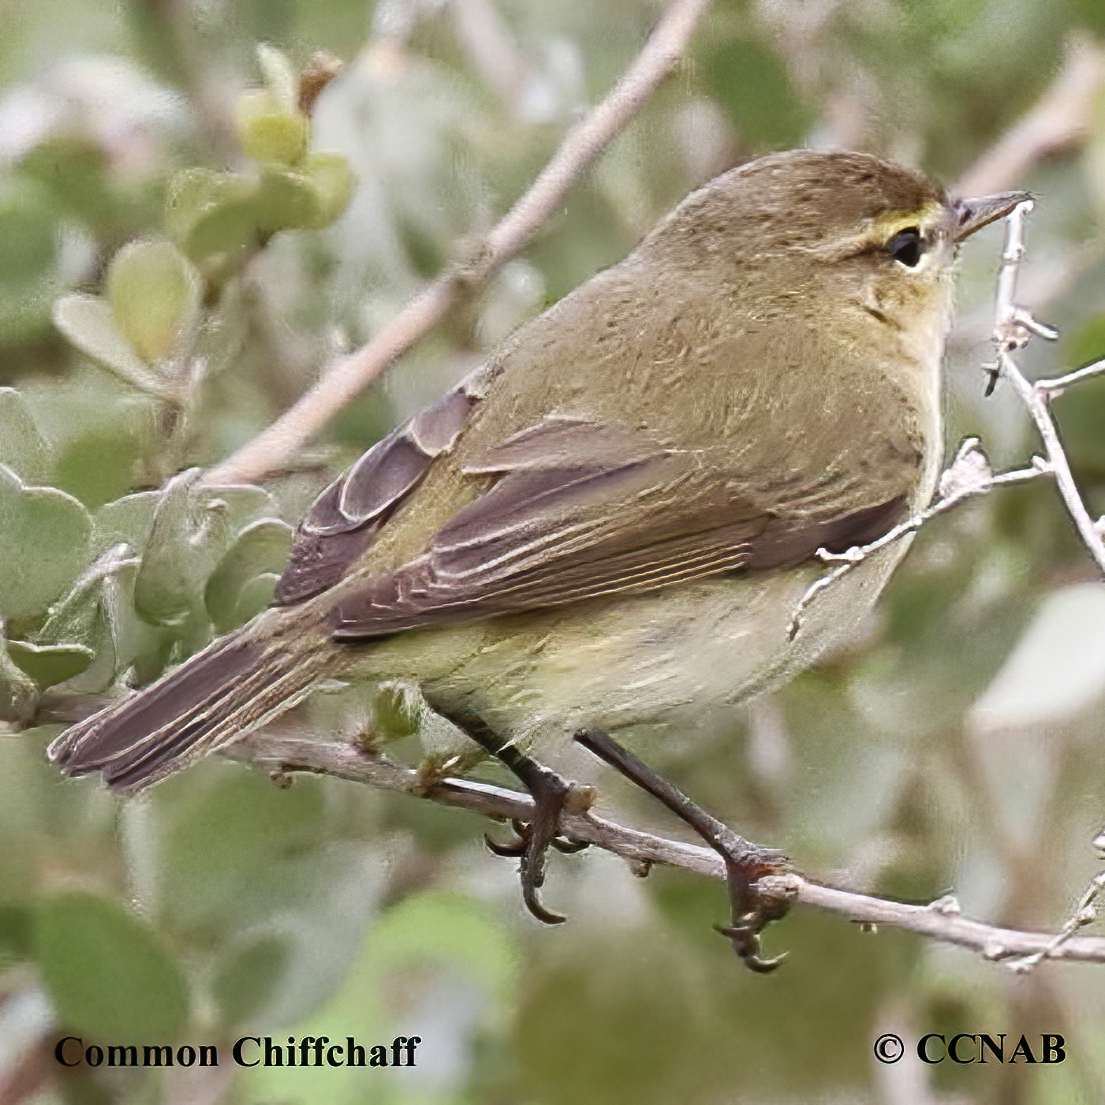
<point>605,530</point>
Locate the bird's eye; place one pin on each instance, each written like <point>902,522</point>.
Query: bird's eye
<point>906,246</point>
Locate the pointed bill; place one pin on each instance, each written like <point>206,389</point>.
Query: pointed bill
<point>972,215</point>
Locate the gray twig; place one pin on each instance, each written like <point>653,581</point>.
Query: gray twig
<point>940,920</point>
<point>1012,328</point>
<point>347,377</point>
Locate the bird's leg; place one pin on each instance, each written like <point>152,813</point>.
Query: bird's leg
<point>745,863</point>
<point>551,794</point>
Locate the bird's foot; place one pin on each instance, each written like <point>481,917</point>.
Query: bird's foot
<point>750,871</point>
<point>759,893</point>
<point>552,795</point>
<point>517,846</point>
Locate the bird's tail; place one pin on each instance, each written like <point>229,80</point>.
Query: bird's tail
<point>235,685</point>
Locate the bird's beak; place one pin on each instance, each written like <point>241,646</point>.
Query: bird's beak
<point>971,215</point>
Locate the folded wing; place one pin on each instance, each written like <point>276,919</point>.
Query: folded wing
<point>581,510</point>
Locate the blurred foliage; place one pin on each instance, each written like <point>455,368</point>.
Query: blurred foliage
<point>183,242</point>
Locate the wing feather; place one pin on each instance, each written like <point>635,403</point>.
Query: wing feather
<point>554,530</point>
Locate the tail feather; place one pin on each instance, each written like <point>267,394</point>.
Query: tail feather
<point>232,687</point>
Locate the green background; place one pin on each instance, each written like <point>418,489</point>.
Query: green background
<point>956,747</point>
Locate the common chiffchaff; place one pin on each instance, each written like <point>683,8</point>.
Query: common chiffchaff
<point>609,525</point>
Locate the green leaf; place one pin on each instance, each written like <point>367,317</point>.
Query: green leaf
<point>247,977</point>
<point>245,504</point>
<point>269,134</point>
<point>285,201</point>
<point>255,596</point>
<point>106,973</point>
<point>44,539</point>
<point>128,520</point>
<point>194,193</point>
<point>281,80</point>
<point>87,321</point>
<point>187,537</point>
<point>260,549</point>
<point>105,665</point>
<point>122,639</point>
<point>97,461</point>
<point>18,693</point>
<point>22,448</point>
<point>50,664</point>
<point>332,181</point>
<point>209,215</point>
<point>155,294</point>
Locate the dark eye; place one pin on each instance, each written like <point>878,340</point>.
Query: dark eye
<point>906,246</point>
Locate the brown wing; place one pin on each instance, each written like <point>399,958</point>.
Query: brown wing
<point>582,510</point>
<point>343,519</point>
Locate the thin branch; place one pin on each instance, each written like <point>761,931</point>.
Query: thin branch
<point>940,920</point>
<point>968,475</point>
<point>349,376</point>
<point>1012,327</point>
<point>1061,383</point>
<point>1061,119</point>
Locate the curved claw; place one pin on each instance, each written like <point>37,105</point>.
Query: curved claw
<point>751,910</point>
<point>568,847</point>
<point>517,847</point>
<point>746,944</point>
<point>532,842</point>
<point>514,848</point>
<point>511,850</point>
<point>533,904</point>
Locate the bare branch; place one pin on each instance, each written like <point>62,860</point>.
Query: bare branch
<point>1085,914</point>
<point>939,921</point>
<point>968,475</point>
<point>349,376</point>
<point>1061,119</point>
<point>1012,326</point>
<point>1061,383</point>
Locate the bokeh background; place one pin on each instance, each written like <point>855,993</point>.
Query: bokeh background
<point>179,257</point>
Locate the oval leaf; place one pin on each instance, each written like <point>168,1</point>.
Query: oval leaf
<point>154,292</point>
<point>271,135</point>
<point>22,448</point>
<point>18,693</point>
<point>332,181</point>
<point>44,538</point>
<point>106,974</point>
<point>50,664</point>
<point>255,596</point>
<point>182,546</point>
<point>87,321</point>
<point>261,549</point>
<point>128,520</point>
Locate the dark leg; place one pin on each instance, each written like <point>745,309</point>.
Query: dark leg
<point>550,792</point>
<point>744,863</point>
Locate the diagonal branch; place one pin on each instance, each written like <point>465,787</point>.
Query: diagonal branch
<point>939,921</point>
<point>1013,326</point>
<point>347,377</point>
<point>1064,117</point>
